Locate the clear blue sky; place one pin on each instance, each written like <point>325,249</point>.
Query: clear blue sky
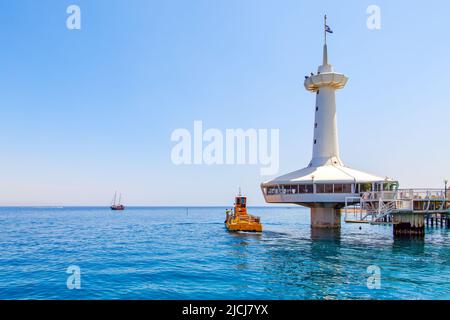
<point>84,113</point>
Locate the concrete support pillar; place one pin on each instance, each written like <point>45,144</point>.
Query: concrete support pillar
<point>328,218</point>
<point>409,225</point>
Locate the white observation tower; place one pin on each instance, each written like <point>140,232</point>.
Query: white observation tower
<point>325,184</point>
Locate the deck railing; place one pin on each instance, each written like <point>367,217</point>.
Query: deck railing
<point>376,205</point>
<point>406,194</point>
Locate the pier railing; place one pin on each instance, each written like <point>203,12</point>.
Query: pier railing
<point>406,194</point>
<point>376,206</point>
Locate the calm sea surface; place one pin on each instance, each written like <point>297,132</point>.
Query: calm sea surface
<point>174,253</point>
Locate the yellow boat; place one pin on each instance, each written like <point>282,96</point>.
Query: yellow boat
<point>239,220</point>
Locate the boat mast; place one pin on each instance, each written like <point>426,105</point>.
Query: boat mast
<point>114,200</point>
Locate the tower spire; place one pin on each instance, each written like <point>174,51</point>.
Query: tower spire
<point>325,49</point>
<point>324,84</point>
<point>325,55</point>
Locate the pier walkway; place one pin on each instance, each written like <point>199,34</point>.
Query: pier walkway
<point>431,205</point>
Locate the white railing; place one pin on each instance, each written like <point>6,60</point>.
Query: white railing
<point>373,206</point>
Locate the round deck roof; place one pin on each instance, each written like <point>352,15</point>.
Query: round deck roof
<point>326,174</point>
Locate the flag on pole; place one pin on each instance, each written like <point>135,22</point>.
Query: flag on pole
<point>328,29</point>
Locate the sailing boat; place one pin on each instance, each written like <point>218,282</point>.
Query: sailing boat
<point>118,205</point>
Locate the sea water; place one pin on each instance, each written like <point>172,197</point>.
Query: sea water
<point>180,253</point>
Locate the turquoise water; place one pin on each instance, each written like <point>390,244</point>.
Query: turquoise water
<point>174,253</point>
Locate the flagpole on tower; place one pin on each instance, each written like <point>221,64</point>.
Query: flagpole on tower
<point>325,29</point>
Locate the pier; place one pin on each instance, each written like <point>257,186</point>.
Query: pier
<point>408,210</point>
<point>330,188</point>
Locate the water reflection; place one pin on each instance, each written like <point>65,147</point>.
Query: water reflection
<point>306,264</point>
<point>413,246</point>
<point>326,253</point>
<point>326,234</point>
<point>239,247</point>
<point>242,248</point>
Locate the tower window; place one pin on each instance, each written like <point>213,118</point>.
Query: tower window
<point>318,91</point>
<point>317,109</point>
<point>315,141</point>
<point>315,126</point>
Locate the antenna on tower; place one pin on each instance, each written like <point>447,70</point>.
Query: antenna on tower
<point>326,29</point>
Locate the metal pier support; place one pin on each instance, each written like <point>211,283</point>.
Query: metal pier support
<point>409,225</point>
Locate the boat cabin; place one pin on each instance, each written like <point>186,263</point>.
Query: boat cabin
<point>240,205</point>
